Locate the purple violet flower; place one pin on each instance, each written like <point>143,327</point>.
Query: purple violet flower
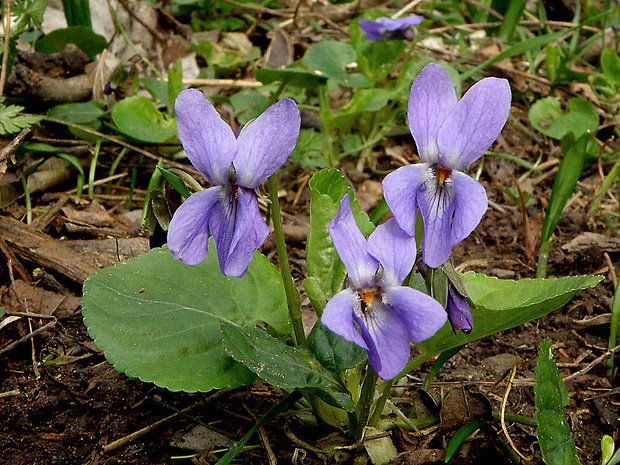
<point>375,311</point>
<point>459,312</point>
<point>235,167</point>
<point>388,28</point>
<point>449,135</point>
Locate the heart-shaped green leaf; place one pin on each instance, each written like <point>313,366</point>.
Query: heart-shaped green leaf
<point>505,303</point>
<point>137,117</point>
<point>158,319</point>
<point>581,117</point>
<point>79,113</point>
<point>331,58</point>
<point>284,366</point>
<point>83,37</point>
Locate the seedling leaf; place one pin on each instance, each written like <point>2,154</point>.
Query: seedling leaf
<point>553,432</point>
<point>11,121</point>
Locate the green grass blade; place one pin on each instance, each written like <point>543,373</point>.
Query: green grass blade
<point>460,436</point>
<point>277,409</point>
<point>515,50</point>
<point>565,181</point>
<point>511,18</point>
<point>77,13</point>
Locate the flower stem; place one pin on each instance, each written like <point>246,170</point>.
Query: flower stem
<point>362,410</point>
<point>386,388</point>
<point>292,294</point>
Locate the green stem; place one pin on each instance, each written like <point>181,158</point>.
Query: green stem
<point>292,294</point>
<point>513,418</point>
<point>385,395</point>
<point>543,258</point>
<point>362,410</point>
<point>371,142</point>
<point>115,164</point>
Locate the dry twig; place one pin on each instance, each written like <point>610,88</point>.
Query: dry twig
<point>592,364</point>
<point>502,416</point>
<point>7,37</point>
<point>141,432</point>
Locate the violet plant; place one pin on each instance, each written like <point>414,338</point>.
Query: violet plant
<point>188,320</point>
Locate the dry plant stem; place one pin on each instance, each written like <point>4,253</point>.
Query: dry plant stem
<point>264,439</point>
<point>7,37</point>
<point>123,32</point>
<point>612,271</point>
<point>122,143</point>
<point>408,7</point>
<point>592,364</point>
<point>29,336</point>
<point>8,150</point>
<point>257,8</point>
<point>13,393</point>
<point>502,415</point>
<point>527,232</point>
<point>529,22</point>
<point>158,35</point>
<point>141,432</point>
<point>33,352</point>
<point>13,262</point>
<point>244,83</point>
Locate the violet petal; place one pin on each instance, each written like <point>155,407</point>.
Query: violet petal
<point>208,141</point>
<point>431,100</point>
<point>250,231</point>
<point>338,316</point>
<point>474,124</point>
<point>402,23</point>
<point>387,339</point>
<point>351,246</point>
<point>436,204</point>
<point>395,250</point>
<point>373,29</point>
<point>423,315</point>
<point>188,233</point>
<point>265,143</point>
<point>470,205</point>
<point>401,188</point>
<point>459,312</point>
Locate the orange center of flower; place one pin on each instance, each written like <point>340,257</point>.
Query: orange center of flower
<point>442,173</point>
<point>367,294</point>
